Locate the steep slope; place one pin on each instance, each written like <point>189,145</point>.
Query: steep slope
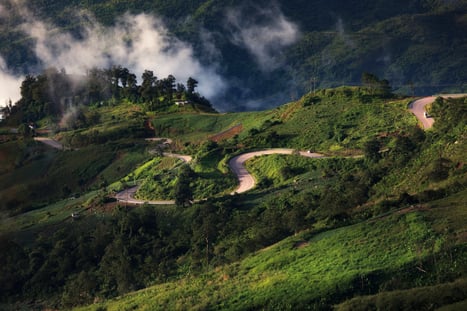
<point>316,270</point>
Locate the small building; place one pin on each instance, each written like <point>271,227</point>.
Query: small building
<point>181,102</point>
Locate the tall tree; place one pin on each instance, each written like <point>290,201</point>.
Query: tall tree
<point>183,191</point>
<point>191,84</point>
<point>147,89</point>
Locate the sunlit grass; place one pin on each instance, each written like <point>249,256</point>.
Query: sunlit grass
<point>290,275</point>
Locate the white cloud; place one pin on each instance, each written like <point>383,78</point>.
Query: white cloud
<point>9,85</point>
<point>265,35</point>
<point>137,42</point>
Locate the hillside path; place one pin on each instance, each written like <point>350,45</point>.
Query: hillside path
<point>237,164</point>
<point>245,179</point>
<point>128,195</point>
<point>417,107</point>
<point>50,142</point>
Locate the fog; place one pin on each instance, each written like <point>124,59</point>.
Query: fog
<point>264,34</point>
<point>137,42</point>
<point>143,42</point>
<point>9,85</point>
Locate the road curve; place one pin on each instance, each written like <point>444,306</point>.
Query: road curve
<point>245,179</point>
<point>128,195</point>
<point>184,158</point>
<point>417,107</point>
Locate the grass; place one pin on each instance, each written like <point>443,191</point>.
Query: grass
<point>301,270</point>
<point>340,120</point>
<point>199,127</point>
<point>449,295</point>
<point>306,270</point>
<point>26,224</point>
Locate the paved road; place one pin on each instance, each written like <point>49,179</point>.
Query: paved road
<point>246,180</point>
<point>237,164</point>
<point>418,108</point>
<point>128,195</point>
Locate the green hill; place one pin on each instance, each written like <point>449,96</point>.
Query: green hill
<point>380,221</point>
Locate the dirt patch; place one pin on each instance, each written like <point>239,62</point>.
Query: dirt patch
<point>300,244</point>
<point>231,132</point>
<point>462,237</point>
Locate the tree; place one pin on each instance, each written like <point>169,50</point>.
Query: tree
<point>370,81</point>
<point>371,149</point>
<point>191,84</point>
<point>147,89</point>
<point>375,85</point>
<point>183,192</point>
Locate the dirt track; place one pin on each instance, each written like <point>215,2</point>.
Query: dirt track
<point>50,142</point>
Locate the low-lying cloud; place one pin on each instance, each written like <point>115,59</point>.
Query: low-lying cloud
<point>9,85</point>
<point>137,42</point>
<point>264,35</point>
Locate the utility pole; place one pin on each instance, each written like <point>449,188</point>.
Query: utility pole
<point>313,81</point>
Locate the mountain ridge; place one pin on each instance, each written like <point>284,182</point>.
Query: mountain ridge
<point>410,60</point>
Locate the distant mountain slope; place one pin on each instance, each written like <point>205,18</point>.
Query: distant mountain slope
<point>269,52</point>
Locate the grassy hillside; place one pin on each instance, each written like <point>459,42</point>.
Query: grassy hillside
<point>314,270</point>
<point>382,218</point>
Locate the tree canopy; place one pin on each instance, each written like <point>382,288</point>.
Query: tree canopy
<point>53,92</point>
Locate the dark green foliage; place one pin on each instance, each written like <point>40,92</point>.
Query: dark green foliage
<point>56,94</point>
<point>182,192</point>
<point>376,86</point>
<point>413,299</point>
<point>372,150</point>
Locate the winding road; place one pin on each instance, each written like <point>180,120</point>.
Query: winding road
<point>417,107</point>
<point>245,179</point>
<point>128,195</point>
<point>237,163</point>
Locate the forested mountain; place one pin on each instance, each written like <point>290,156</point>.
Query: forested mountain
<point>260,53</point>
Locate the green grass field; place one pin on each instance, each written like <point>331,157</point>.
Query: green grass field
<point>302,270</point>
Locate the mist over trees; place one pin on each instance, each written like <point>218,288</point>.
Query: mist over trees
<point>53,92</point>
